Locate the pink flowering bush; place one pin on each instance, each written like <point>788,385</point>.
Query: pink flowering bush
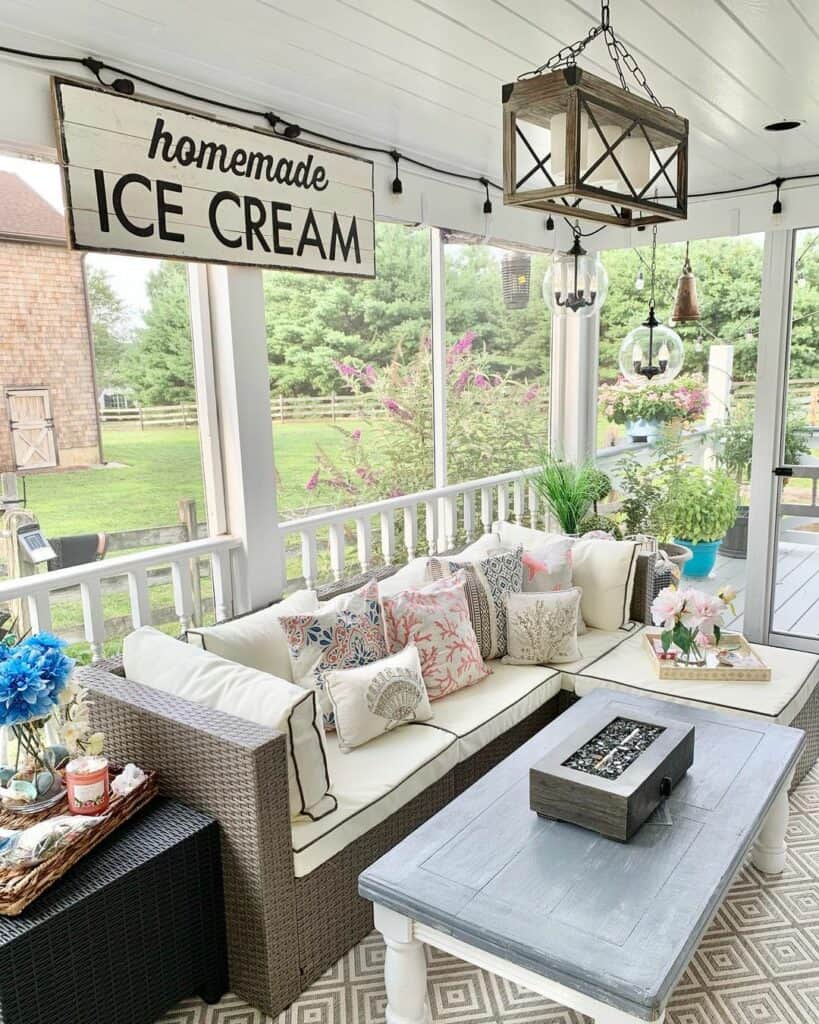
<point>494,424</point>
<point>683,398</point>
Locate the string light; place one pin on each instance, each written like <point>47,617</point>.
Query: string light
<point>550,224</point>
<point>124,84</point>
<point>397,186</point>
<point>487,205</point>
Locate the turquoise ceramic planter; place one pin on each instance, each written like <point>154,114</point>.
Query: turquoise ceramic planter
<point>703,557</point>
<point>643,430</point>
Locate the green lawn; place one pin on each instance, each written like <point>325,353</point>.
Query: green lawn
<point>149,471</point>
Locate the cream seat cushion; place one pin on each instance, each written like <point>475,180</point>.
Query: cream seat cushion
<point>370,783</point>
<point>479,714</point>
<point>256,639</point>
<point>594,645</point>
<point>794,676</point>
<point>156,659</point>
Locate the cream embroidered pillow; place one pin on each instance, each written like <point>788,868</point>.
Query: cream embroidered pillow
<point>542,628</point>
<point>373,699</point>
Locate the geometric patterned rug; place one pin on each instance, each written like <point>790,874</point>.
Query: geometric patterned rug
<point>758,963</point>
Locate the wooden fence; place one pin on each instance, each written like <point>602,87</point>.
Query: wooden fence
<point>282,409</point>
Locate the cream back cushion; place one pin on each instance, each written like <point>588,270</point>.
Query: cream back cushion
<point>605,570</point>
<point>155,659</point>
<point>257,640</point>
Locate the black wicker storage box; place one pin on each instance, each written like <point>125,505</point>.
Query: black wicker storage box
<point>133,928</point>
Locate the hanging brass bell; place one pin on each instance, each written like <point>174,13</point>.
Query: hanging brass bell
<point>686,305</point>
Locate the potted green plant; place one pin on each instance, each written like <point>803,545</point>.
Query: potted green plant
<point>646,490</point>
<point>568,491</point>
<point>704,507</point>
<point>735,440</point>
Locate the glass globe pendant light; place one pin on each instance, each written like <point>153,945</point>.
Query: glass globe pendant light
<point>651,351</point>
<point>576,284</point>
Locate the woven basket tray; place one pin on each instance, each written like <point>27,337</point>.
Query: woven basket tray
<point>20,886</point>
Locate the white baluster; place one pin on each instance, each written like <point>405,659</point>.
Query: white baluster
<point>533,507</point>
<point>39,610</point>
<point>4,745</point>
<point>140,598</point>
<point>519,493</point>
<point>469,516</point>
<point>337,553</point>
<point>93,616</point>
<point>503,503</point>
<point>309,558</point>
<point>388,537</point>
<point>410,531</point>
<point>450,520</point>
<point>182,592</point>
<point>486,509</point>
<point>222,585</point>
<point>363,536</point>
<point>431,526</point>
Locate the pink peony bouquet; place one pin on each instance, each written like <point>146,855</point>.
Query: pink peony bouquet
<point>690,619</point>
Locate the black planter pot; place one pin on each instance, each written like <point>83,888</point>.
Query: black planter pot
<point>735,544</point>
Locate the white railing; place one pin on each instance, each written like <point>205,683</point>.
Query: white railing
<point>37,591</point>
<point>457,511</point>
<point>464,509</point>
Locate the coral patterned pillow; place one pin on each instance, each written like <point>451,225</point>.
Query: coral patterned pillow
<point>346,633</point>
<point>435,618</point>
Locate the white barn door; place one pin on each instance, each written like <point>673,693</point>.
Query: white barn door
<point>32,428</point>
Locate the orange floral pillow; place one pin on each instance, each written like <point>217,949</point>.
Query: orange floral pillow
<point>435,618</point>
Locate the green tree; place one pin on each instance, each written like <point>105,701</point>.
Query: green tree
<point>110,329</point>
<point>160,368</point>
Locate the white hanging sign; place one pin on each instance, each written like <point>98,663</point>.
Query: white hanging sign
<point>158,181</point>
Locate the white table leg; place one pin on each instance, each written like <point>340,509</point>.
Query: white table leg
<point>770,848</point>
<point>405,970</point>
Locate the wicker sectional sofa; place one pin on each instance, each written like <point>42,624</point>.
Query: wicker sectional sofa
<point>291,886</point>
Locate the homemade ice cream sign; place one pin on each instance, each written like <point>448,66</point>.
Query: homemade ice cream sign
<point>156,180</point>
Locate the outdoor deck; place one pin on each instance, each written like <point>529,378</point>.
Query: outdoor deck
<point>797,590</point>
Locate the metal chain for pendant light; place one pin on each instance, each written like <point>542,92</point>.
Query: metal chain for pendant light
<point>567,56</point>
<point>651,303</point>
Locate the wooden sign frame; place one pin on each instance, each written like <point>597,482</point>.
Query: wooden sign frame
<point>155,179</point>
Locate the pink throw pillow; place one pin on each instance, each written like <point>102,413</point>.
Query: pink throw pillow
<point>548,567</point>
<point>435,618</point>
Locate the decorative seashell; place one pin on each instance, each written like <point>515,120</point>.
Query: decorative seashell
<point>6,774</point>
<point>394,694</point>
<point>23,790</point>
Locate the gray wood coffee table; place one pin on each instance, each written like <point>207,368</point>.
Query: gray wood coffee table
<point>602,927</point>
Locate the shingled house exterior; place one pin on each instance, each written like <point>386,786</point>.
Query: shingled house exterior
<point>46,352</point>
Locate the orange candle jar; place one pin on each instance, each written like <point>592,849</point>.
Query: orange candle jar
<point>86,779</point>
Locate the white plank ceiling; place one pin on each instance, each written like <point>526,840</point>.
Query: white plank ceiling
<point>425,75</point>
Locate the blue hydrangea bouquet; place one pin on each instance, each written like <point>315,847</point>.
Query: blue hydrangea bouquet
<point>34,672</point>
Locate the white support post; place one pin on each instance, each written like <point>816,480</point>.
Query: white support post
<point>573,402</point>
<point>439,367</point>
<point>773,354</point>
<point>234,409</point>
<point>720,369</point>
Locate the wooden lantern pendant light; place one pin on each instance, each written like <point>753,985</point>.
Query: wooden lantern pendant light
<point>575,144</point>
<point>686,304</point>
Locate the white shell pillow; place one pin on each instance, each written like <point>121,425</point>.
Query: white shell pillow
<point>542,628</point>
<point>605,570</point>
<point>373,699</point>
<point>157,660</point>
<point>257,640</point>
